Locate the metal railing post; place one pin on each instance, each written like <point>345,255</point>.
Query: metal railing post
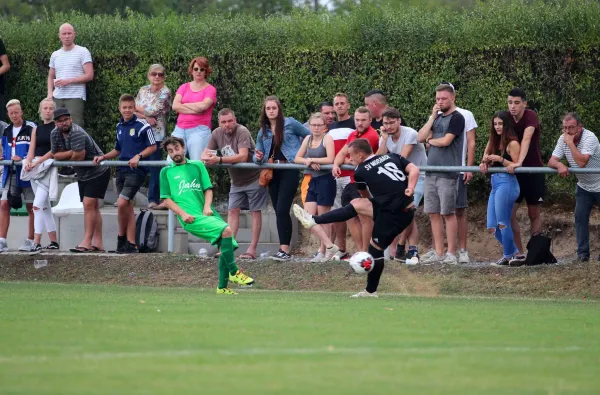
<point>171,232</point>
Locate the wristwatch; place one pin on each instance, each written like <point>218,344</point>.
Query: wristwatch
<point>140,155</point>
<point>220,160</point>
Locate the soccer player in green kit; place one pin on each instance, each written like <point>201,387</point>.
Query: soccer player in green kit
<point>187,191</point>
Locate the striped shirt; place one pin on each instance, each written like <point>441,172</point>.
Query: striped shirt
<point>69,64</point>
<point>588,145</point>
<point>78,140</point>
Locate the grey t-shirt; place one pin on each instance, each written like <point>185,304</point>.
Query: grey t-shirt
<point>77,140</point>
<point>450,155</point>
<point>417,157</point>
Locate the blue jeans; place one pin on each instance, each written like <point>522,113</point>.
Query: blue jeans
<point>154,186</point>
<point>584,202</point>
<point>505,190</point>
<point>196,139</point>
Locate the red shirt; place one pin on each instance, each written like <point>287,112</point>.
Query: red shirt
<point>371,136</point>
<point>534,155</point>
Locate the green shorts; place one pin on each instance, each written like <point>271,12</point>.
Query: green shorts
<point>207,228</point>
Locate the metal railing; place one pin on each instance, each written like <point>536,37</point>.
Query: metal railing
<point>289,166</point>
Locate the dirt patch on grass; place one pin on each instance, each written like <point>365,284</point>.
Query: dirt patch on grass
<point>557,281</point>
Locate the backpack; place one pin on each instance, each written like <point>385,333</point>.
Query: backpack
<point>538,250</point>
<point>146,231</point>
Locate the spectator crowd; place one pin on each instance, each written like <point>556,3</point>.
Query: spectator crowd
<point>446,139</point>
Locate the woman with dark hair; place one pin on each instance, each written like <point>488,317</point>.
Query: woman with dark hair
<point>194,102</point>
<point>502,150</point>
<point>279,139</point>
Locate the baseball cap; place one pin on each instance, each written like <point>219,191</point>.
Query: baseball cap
<point>59,112</point>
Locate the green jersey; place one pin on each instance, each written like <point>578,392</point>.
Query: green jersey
<point>185,185</point>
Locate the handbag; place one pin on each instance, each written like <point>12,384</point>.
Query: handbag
<point>14,201</point>
<point>266,175</point>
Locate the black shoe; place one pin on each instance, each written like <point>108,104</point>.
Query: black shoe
<point>36,249</point>
<point>583,258</point>
<point>67,171</point>
<point>517,260</point>
<point>129,248</point>
<point>121,243</point>
<point>411,254</point>
<point>282,256</point>
<point>503,262</point>
<point>52,246</point>
<point>400,253</point>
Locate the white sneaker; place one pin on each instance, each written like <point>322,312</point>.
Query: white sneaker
<point>450,259</point>
<point>304,217</point>
<point>428,254</point>
<point>27,246</point>
<point>463,257</point>
<point>318,257</point>
<point>365,294</point>
<point>330,253</point>
<point>3,246</point>
<point>341,256</point>
<point>434,258</point>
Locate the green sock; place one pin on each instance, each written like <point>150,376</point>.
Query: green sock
<point>223,272</point>
<point>227,254</point>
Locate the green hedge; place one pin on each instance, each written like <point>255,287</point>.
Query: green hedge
<point>551,49</point>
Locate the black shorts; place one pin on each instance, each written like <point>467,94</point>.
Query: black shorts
<point>94,188</point>
<point>389,223</point>
<point>128,183</point>
<point>321,190</point>
<point>533,188</point>
<point>349,193</point>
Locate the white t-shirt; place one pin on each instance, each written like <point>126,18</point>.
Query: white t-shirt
<point>418,157</point>
<point>588,145</point>
<point>470,124</point>
<point>15,132</point>
<point>69,64</point>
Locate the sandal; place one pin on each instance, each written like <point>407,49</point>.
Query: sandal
<point>80,249</point>
<point>247,255</point>
<point>97,250</point>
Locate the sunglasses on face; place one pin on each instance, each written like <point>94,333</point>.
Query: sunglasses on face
<point>155,74</point>
<point>198,69</point>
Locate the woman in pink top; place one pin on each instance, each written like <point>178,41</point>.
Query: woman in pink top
<point>194,103</point>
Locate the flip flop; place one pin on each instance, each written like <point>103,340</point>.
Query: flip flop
<point>97,250</point>
<point>80,249</point>
<point>247,255</point>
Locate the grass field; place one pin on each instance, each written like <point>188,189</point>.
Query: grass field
<point>82,339</point>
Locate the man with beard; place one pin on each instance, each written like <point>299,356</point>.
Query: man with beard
<point>236,146</point>
<point>69,142</point>
<point>444,132</point>
<point>187,191</point>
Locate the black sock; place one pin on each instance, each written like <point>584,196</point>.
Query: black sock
<point>400,247</point>
<point>375,273</point>
<point>342,214</point>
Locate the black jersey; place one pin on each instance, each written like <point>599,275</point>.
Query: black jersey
<point>387,179</point>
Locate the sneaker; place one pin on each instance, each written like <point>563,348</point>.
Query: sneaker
<point>463,256</point>
<point>318,257</point>
<point>400,253</point>
<point>241,279</point>
<point>282,256</point>
<point>341,256</point>
<point>36,249</point>
<point>304,217</point>
<point>431,259</point>
<point>411,257</point>
<point>502,262</point>
<point>225,291</point>
<point>27,246</point>
<point>330,253</point>
<point>450,259</point>
<point>52,246</point>
<point>121,243</point>
<point>3,245</point>
<point>583,258</point>
<point>128,248</point>
<point>428,254</point>
<point>517,260</point>
<point>365,294</point>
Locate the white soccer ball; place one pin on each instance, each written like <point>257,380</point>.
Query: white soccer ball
<point>362,262</point>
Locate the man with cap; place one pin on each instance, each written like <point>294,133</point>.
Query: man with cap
<point>69,142</point>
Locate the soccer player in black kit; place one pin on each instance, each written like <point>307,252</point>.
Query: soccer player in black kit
<point>391,181</point>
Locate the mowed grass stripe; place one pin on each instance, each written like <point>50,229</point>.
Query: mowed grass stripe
<point>110,339</point>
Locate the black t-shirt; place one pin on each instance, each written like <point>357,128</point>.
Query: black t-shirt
<point>375,124</point>
<point>42,138</point>
<point>348,123</point>
<point>2,52</point>
<point>387,179</point>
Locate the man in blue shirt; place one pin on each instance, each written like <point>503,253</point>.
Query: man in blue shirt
<point>135,141</point>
